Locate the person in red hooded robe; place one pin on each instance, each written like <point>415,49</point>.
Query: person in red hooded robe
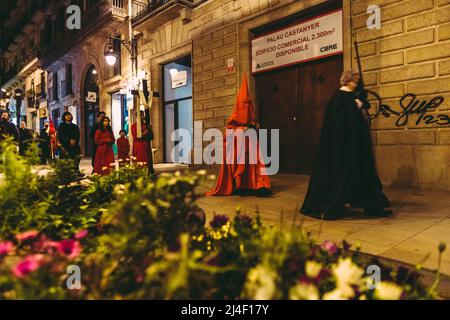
<point>123,148</point>
<point>104,156</point>
<point>236,177</point>
<point>141,146</point>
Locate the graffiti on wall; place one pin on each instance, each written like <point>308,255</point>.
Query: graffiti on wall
<point>410,106</point>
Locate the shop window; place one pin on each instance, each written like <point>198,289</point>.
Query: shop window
<point>177,105</point>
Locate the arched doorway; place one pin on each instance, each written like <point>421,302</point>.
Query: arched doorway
<point>91,106</point>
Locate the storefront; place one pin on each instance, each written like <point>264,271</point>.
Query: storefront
<point>296,69</point>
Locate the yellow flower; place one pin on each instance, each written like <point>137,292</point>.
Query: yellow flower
<point>304,291</point>
<point>260,283</point>
<point>347,274</point>
<point>336,294</point>
<point>388,291</point>
<point>312,269</point>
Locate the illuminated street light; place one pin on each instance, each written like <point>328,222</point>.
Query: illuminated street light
<point>110,53</point>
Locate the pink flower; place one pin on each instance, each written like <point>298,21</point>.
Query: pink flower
<point>6,247</point>
<point>329,246</point>
<point>70,248</point>
<point>81,234</point>
<point>27,235</point>
<point>28,265</point>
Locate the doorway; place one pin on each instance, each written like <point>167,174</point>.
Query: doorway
<point>177,102</point>
<point>294,100</point>
<point>91,107</point>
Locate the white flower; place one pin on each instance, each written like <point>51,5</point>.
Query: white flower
<point>303,291</point>
<point>260,283</point>
<point>347,274</point>
<point>388,291</point>
<point>336,294</point>
<point>312,269</point>
<point>201,172</point>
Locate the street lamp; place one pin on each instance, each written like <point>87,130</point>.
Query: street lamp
<point>110,53</point>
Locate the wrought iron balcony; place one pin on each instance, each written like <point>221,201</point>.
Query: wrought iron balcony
<point>143,11</point>
<point>101,13</point>
<point>40,91</point>
<point>20,65</point>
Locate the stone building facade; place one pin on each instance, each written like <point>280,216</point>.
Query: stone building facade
<point>405,63</point>
<point>409,54</point>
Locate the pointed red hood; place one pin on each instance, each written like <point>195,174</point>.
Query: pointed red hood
<point>244,111</point>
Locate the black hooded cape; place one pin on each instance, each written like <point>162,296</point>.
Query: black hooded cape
<point>344,168</point>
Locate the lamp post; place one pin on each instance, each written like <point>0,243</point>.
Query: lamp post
<point>111,59</point>
<point>18,94</point>
<point>4,100</point>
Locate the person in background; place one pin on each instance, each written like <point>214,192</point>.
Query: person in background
<point>104,139</point>
<point>100,116</point>
<point>123,147</point>
<point>7,128</point>
<point>141,146</point>
<point>25,138</point>
<point>69,138</point>
<point>44,143</point>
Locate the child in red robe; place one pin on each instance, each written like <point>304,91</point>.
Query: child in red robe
<point>236,177</point>
<point>104,156</point>
<point>141,146</point>
<point>123,147</point>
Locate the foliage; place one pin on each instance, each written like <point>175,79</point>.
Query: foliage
<point>135,237</point>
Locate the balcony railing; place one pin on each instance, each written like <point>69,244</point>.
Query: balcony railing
<point>98,15</point>
<point>17,28</point>
<point>142,9</point>
<point>40,91</point>
<point>8,75</point>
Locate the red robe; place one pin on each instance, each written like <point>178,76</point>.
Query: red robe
<point>123,149</point>
<point>141,146</point>
<point>104,155</point>
<point>246,176</point>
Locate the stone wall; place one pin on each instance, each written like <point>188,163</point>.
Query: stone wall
<point>409,54</point>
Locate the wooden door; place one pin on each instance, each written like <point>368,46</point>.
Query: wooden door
<point>276,103</point>
<point>317,82</point>
<point>294,100</point>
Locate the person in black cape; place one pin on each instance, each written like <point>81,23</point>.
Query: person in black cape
<point>8,128</point>
<point>44,144</point>
<point>344,169</point>
<point>69,138</point>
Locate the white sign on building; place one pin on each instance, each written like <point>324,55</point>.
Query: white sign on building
<point>91,96</point>
<point>312,39</point>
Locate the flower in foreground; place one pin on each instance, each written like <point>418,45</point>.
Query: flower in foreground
<point>388,291</point>
<point>6,247</point>
<point>304,291</point>
<point>347,274</point>
<point>329,247</point>
<point>69,248</point>
<point>28,235</point>
<point>261,283</point>
<point>312,269</point>
<point>336,294</point>
<point>29,264</point>
<point>81,234</point>
<point>218,221</point>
